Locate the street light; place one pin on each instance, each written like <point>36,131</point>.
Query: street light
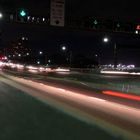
<point>43,19</point>
<point>49,61</point>
<point>96,55</point>
<point>106,40</point>
<point>19,55</point>
<point>97,58</point>
<point>40,52</point>
<point>65,48</point>
<point>38,62</point>
<point>136,32</point>
<point>23,38</point>
<point>1,15</point>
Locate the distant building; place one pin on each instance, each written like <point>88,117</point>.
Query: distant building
<point>19,50</point>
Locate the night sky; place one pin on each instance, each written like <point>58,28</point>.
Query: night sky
<point>89,43</point>
<point>103,8</point>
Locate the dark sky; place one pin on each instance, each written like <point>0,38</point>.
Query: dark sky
<point>126,9</point>
<point>113,8</point>
<point>88,42</point>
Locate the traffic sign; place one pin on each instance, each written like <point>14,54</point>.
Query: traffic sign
<point>57,13</point>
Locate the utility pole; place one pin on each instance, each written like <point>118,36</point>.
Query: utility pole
<point>115,56</point>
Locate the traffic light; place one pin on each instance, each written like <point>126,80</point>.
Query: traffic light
<point>22,15</point>
<point>95,22</point>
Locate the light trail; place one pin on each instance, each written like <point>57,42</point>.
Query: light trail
<point>114,72</point>
<point>119,72</point>
<point>122,95</point>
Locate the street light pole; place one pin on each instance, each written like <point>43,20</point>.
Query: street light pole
<point>106,40</point>
<point>115,55</point>
<point>66,48</point>
<point>70,58</point>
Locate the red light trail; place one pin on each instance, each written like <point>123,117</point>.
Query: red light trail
<point>122,95</point>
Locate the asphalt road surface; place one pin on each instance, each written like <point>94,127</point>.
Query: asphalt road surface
<point>26,106</point>
<point>123,83</point>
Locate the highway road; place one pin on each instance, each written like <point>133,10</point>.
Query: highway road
<point>117,119</point>
<point>122,83</point>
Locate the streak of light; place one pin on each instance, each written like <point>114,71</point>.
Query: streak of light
<point>20,66</point>
<point>98,99</point>
<point>41,69</point>
<point>122,95</point>
<point>134,73</point>
<point>48,70</point>
<point>62,70</point>
<point>114,72</point>
<point>60,89</point>
<point>1,64</point>
<point>33,71</point>
<point>41,84</point>
<point>30,81</point>
<point>32,68</point>
<point>84,84</point>
<point>120,72</point>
